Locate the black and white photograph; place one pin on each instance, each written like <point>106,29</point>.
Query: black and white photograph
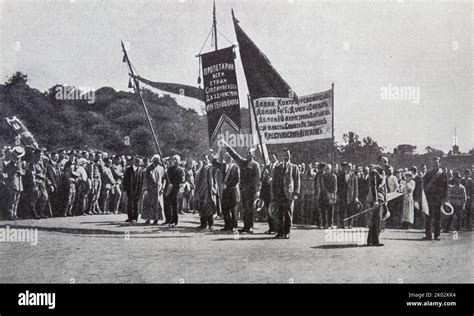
<point>182,143</point>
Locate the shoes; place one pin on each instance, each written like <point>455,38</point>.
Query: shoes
<point>165,223</point>
<point>426,238</point>
<point>278,236</point>
<point>128,220</point>
<point>155,222</point>
<point>201,227</point>
<point>147,222</point>
<point>269,232</point>
<point>210,228</point>
<point>437,238</point>
<point>246,231</point>
<point>379,245</point>
<point>286,236</point>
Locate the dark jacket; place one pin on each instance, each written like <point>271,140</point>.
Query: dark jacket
<point>286,182</point>
<point>436,186</point>
<point>347,191</point>
<point>132,182</point>
<point>249,172</point>
<point>328,188</point>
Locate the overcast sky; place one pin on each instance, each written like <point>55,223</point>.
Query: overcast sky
<point>362,47</point>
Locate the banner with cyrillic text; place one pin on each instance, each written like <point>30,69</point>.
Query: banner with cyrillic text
<point>221,91</point>
<point>286,120</point>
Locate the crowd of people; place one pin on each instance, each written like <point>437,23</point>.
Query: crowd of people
<point>36,183</point>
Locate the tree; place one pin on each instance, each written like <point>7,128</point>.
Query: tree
<point>18,78</point>
<point>434,152</point>
<point>404,149</point>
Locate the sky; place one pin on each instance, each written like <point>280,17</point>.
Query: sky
<point>366,48</point>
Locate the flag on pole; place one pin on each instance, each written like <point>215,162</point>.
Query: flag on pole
<point>176,88</point>
<point>262,79</point>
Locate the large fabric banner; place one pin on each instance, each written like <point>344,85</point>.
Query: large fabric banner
<point>286,120</point>
<point>221,91</point>
<point>22,132</point>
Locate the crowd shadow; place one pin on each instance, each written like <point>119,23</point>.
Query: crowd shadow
<point>243,238</point>
<point>339,246</point>
<point>404,239</point>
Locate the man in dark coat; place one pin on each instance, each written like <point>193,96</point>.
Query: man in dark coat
<point>286,188</point>
<point>468,185</point>
<point>250,184</point>
<point>348,194</point>
<point>231,193</point>
<point>327,195</point>
<point>436,189</point>
<point>176,179</point>
<point>132,184</point>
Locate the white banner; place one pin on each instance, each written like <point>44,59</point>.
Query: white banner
<point>284,120</point>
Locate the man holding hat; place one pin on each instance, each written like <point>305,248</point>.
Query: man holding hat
<point>436,189</point>
<point>15,170</point>
<point>286,188</point>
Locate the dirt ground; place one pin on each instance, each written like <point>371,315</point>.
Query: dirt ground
<point>105,249</point>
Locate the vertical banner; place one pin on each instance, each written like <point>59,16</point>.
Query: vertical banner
<point>22,132</point>
<point>286,120</point>
<point>221,91</point>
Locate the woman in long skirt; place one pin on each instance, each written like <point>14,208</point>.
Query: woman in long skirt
<point>408,205</point>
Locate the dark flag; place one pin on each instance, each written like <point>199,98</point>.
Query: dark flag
<point>176,88</point>
<point>262,79</point>
<point>221,91</point>
<point>22,132</point>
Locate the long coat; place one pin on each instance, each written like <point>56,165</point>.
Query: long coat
<point>152,205</point>
<point>206,191</point>
<point>132,182</point>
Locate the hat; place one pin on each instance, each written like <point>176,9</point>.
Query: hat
<point>321,165</point>
<point>18,151</point>
<point>447,209</point>
<point>408,173</point>
<point>76,174</point>
<point>358,206</point>
<point>272,210</point>
<point>457,175</point>
<point>258,204</point>
<point>82,161</point>
<point>344,164</point>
